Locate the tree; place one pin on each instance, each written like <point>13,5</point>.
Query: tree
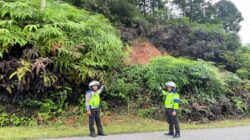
<point>126,12</point>
<point>149,6</point>
<point>229,15</point>
<point>195,10</point>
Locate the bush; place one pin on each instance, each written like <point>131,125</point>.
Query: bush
<point>206,91</point>
<point>127,84</point>
<point>47,58</point>
<point>243,73</point>
<point>189,75</point>
<point>239,61</point>
<point>147,113</point>
<point>60,46</point>
<point>197,41</point>
<point>13,120</point>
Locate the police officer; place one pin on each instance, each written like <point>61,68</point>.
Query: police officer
<point>171,102</point>
<point>92,103</point>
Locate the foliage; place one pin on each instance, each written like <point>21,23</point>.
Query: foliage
<point>128,13</point>
<point>124,12</point>
<point>127,84</point>
<point>147,113</point>
<point>196,10</point>
<point>203,41</point>
<point>240,105</point>
<point>54,47</point>
<point>52,106</point>
<point>198,41</point>
<point>13,120</point>
<point>205,90</point>
<point>156,12</point>
<point>48,55</point>
<point>238,61</point>
<point>229,15</point>
<point>21,72</point>
<point>202,11</point>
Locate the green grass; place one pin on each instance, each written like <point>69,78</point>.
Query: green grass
<point>118,124</point>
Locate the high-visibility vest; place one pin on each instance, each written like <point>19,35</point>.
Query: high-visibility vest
<point>94,101</point>
<point>171,100</point>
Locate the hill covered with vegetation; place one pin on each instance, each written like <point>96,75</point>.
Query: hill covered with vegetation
<point>50,50</point>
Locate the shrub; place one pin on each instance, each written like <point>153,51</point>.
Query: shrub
<point>13,120</point>
<point>206,91</point>
<point>60,46</point>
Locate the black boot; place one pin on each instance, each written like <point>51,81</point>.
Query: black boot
<point>92,135</point>
<point>169,134</point>
<point>177,135</point>
<point>102,134</point>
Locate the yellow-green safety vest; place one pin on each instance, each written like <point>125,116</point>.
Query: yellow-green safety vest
<point>95,99</point>
<point>171,100</point>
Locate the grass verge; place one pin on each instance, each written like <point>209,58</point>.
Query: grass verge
<point>118,124</point>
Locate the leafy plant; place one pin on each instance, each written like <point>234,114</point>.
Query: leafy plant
<point>13,120</point>
<point>21,71</point>
<point>205,90</point>
<point>240,104</point>
<point>58,45</point>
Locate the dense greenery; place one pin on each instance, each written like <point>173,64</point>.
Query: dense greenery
<point>196,10</point>
<point>126,12</point>
<point>239,61</point>
<point>229,15</point>
<point>47,56</point>
<point>41,45</point>
<point>50,50</point>
<point>156,12</point>
<point>207,93</point>
<point>198,41</point>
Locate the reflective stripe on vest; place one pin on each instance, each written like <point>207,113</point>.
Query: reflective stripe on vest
<point>94,101</point>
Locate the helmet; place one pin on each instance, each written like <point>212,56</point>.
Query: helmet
<point>94,83</point>
<point>171,84</point>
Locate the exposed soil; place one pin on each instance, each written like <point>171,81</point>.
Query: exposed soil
<point>142,52</point>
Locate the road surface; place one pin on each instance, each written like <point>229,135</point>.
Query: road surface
<point>231,133</point>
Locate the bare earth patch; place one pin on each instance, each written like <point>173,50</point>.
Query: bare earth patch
<point>142,52</point>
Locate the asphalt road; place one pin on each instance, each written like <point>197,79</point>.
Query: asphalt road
<point>231,133</point>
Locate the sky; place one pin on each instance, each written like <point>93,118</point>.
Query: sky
<point>244,8</point>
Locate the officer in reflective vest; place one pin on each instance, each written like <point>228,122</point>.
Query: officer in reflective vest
<point>92,103</point>
<point>171,102</point>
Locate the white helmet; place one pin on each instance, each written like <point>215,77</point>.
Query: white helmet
<point>171,84</point>
<point>94,83</point>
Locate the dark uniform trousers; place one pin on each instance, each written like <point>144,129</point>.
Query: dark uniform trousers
<point>95,117</point>
<point>172,121</point>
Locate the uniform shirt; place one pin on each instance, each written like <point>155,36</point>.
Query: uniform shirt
<point>171,99</point>
<point>88,97</point>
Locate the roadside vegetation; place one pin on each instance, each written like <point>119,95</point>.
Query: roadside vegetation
<point>49,54</point>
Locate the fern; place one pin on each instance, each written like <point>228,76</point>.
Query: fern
<point>48,79</point>
<point>57,45</point>
<point>21,71</point>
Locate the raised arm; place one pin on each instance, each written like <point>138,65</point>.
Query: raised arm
<point>160,89</point>
<point>163,92</point>
<point>101,89</point>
